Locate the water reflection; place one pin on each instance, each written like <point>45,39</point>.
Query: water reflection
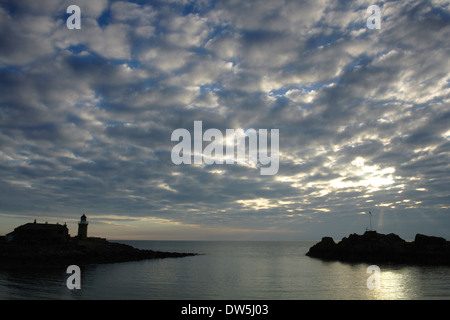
<point>413,282</point>
<point>32,284</point>
<point>230,270</point>
<point>394,285</point>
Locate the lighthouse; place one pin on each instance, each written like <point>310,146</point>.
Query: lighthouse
<point>82,228</point>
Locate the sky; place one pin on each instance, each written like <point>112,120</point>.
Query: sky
<point>86,117</point>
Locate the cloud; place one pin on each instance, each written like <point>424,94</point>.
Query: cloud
<point>86,115</point>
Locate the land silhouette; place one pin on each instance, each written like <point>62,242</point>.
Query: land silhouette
<point>373,247</point>
<point>78,252</point>
<point>41,245</point>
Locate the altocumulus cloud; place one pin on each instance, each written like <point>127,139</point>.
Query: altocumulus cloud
<point>86,116</point>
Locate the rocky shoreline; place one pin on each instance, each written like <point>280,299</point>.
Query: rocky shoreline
<point>373,247</point>
<point>77,252</point>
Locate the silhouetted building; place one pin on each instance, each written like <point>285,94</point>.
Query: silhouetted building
<point>39,233</point>
<point>82,228</point>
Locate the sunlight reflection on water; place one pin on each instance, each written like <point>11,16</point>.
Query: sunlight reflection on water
<point>230,270</point>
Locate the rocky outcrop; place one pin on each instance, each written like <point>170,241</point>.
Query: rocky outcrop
<point>81,253</point>
<point>373,247</point>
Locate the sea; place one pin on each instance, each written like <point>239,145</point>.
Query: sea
<point>231,270</point>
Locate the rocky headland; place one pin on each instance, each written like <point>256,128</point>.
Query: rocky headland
<point>373,247</point>
<point>77,252</point>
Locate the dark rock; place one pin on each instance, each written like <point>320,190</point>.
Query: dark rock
<point>86,252</point>
<point>374,247</point>
<point>326,248</point>
<point>429,242</point>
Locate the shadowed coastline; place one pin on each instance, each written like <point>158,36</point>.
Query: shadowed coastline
<point>78,252</point>
<point>373,247</point>
<point>41,245</point>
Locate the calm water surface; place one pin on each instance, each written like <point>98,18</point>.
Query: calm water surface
<point>230,270</point>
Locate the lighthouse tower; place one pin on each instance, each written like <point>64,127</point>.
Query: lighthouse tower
<point>82,228</point>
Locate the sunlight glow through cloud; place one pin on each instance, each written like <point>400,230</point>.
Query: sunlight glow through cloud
<point>86,116</point>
